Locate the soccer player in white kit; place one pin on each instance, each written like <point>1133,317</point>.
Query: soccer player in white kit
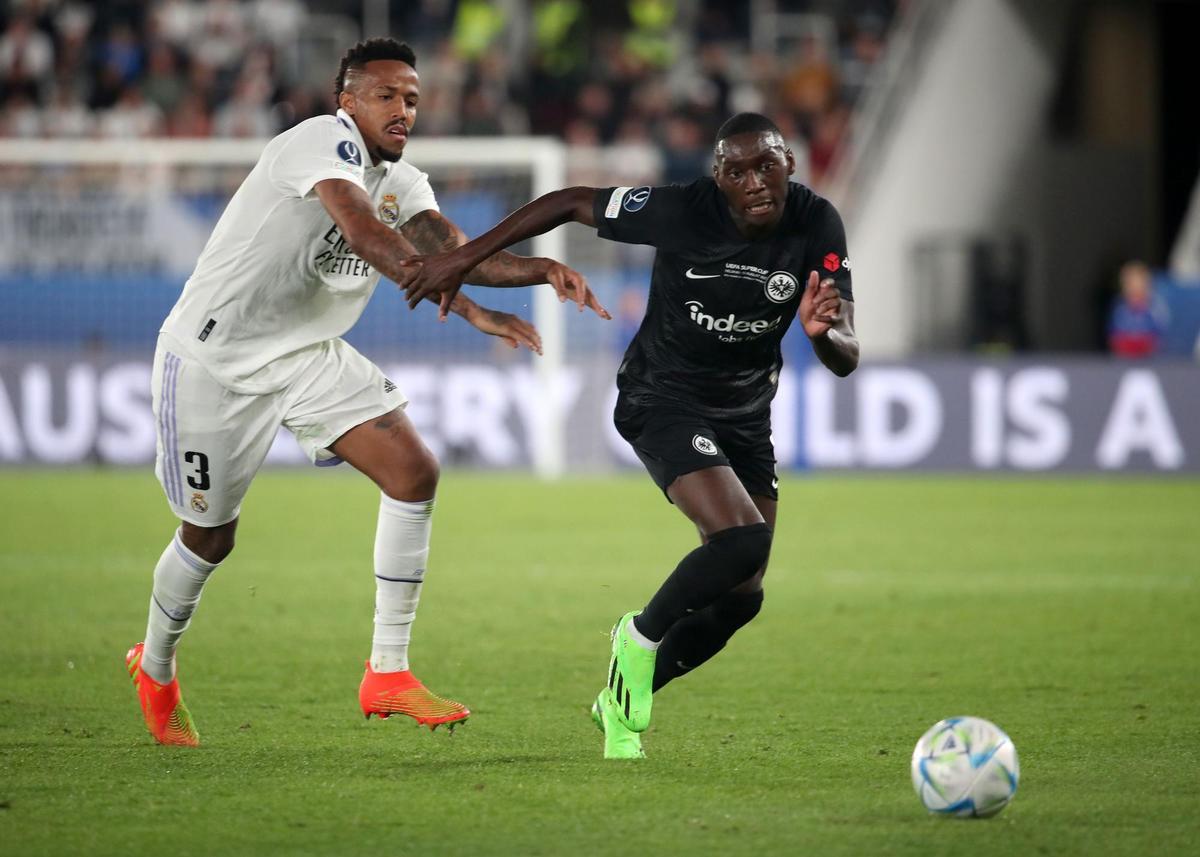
<point>254,343</point>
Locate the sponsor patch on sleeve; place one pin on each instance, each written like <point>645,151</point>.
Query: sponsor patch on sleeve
<point>636,199</point>
<point>614,202</point>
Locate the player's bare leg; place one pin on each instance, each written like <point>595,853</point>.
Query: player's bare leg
<point>179,578</point>
<point>389,451</point>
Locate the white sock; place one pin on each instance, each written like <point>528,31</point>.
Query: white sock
<point>401,551</point>
<point>640,638</point>
<point>179,579</point>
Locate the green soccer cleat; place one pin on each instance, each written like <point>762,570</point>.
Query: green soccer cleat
<point>630,678</point>
<point>619,742</point>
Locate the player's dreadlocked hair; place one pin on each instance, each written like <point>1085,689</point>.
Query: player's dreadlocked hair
<point>369,51</point>
<point>746,123</point>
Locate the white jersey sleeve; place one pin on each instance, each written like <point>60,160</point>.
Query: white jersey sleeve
<point>319,151</point>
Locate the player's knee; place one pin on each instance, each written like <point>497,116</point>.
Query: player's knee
<point>753,583</point>
<point>745,549</point>
<point>212,544</point>
<point>426,472</point>
<point>413,479</point>
<point>738,608</point>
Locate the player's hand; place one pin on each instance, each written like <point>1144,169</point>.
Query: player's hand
<point>820,306</point>
<point>439,275</point>
<point>569,284</point>
<point>513,329</point>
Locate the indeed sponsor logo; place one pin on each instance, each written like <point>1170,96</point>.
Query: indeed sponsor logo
<point>729,323</point>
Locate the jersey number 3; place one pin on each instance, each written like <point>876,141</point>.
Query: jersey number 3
<point>199,480</point>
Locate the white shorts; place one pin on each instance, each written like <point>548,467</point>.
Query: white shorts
<point>212,441</point>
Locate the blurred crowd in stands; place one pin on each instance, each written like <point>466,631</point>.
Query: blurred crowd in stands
<point>636,86</point>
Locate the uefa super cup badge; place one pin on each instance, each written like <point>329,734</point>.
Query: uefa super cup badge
<point>780,286</point>
<point>389,210</point>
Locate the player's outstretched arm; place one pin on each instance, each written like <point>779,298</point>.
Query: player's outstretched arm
<point>393,254</point>
<point>432,233</point>
<point>446,272</point>
<point>513,329</point>
<point>828,320</point>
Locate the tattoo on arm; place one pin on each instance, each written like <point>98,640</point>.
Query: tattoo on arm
<point>430,232</point>
<point>508,269</point>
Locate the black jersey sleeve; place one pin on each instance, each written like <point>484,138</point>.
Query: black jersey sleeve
<point>642,215</point>
<point>827,249</point>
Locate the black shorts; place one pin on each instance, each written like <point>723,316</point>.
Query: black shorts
<point>671,441</point>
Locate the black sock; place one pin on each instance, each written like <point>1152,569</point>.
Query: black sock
<point>697,637</point>
<point>711,570</point>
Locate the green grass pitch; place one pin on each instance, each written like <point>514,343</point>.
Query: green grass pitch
<point>1066,611</point>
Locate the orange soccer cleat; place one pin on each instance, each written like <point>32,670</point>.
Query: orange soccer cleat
<point>166,716</point>
<point>385,694</point>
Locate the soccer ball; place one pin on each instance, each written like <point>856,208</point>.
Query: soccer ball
<point>966,767</point>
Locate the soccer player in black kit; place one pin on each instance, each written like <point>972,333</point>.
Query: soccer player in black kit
<point>739,256</point>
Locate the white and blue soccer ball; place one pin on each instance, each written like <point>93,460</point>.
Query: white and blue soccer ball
<point>965,767</point>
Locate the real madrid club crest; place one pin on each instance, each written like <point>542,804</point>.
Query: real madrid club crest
<point>780,286</point>
<point>199,504</point>
<point>389,211</point>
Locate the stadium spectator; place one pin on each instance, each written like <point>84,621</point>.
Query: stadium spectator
<point>132,116</point>
<point>810,88</point>
<point>190,118</point>
<point>246,114</point>
<point>66,115</point>
<point>220,37</point>
<point>26,55</point>
<point>1139,316</point>
<point>646,75</point>
<point>20,117</point>
<point>173,20</point>
<point>163,84</point>
<point>688,152</point>
<point>297,104</point>
<point>279,23</point>
<point>122,53</point>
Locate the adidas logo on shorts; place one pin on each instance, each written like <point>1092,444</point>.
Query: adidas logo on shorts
<point>388,386</point>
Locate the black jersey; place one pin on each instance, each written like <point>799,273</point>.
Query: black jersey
<point>719,303</point>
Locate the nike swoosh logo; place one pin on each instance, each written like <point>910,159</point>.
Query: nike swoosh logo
<point>694,276</point>
<point>682,665</point>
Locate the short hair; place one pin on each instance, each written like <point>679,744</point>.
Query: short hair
<point>369,51</point>
<point>746,123</point>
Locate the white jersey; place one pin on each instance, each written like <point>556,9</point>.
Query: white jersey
<point>276,276</point>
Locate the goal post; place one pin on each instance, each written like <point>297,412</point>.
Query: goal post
<point>52,184</point>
